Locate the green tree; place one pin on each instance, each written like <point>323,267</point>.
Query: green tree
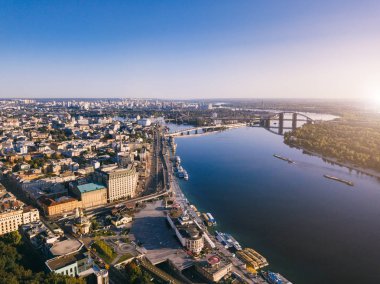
<point>11,271</point>
<point>136,275</point>
<point>13,238</point>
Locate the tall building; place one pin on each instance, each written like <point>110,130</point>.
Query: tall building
<point>13,213</point>
<point>120,182</point>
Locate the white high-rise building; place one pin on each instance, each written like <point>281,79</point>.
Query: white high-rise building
<point>121,183</point>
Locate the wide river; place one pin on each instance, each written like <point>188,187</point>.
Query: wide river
<point>310,229</point>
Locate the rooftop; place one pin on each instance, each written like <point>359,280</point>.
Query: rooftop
<point>187,229</point>
<point>89,187</point>
<point>117,170</point>
<point>62,261</point>
<point>65,247</point>
<point>49,201</point>
<point>213,263</point>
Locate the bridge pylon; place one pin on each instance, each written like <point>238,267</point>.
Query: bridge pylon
<point>281,123</point>
<point>294,120</point>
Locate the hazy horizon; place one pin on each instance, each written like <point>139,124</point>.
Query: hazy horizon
<point>190,49</point>
<point>206,99</point>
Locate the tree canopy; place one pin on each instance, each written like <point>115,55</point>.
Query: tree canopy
<point>346,141</point>
<point>12,272</point>
<point>136,275</point>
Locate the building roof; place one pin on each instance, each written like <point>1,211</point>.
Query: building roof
<point>114,171</point>
<point>63,261</point>
<point>89,187</point>
<point>50,202</point>
<point>214,263</point>
<point>65,247</point>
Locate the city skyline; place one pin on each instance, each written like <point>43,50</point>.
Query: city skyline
<point>190,50</point>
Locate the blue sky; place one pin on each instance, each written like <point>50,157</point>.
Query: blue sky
<point>190,49</point>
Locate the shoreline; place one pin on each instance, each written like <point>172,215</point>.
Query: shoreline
<point>277,266</point>
<point>238,266</point>
<point>369,172</point>
<point>196,135</point>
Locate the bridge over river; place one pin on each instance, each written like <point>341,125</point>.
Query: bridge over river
<point>281,121</point>
<point>201,130</point>
<point>274,122</point>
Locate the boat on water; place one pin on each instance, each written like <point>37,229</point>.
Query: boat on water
<point>206,220</point>
<point>180,174</point>
<point>284,159</point>
<point>211,219</point>
<point>194,208</point>
<point>228,241</point>
<point>350,183</point>
<point>185,175</point>
<point>252,258</point>
<point>274,278</point>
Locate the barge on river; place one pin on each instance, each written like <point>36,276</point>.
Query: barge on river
<point>283,158</point>
<point>350,183</point>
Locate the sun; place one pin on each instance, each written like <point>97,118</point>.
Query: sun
<point>375,99</point>
<point>372,93</point>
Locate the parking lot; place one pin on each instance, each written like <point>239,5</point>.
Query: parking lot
<point>151,230</point>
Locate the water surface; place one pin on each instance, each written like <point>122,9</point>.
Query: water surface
<point>311,229</point>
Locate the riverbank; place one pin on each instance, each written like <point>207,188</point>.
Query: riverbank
<point>198,135</point>
<point>290,214</point>
<point>181,199</point>
<point>368,172</point>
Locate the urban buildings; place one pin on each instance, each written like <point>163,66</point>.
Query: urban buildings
<point>214,268</point>
<point>74,260</point>
<point>81,224</point>
<point>121,220</point>
<point>145,122</point>
<point>65,159</point>
<point>67,256</point>
<point>91,194</point>
<point>14,213</point>
<point>121,183</point>
<point>187,232</point>
<point>61,205</point>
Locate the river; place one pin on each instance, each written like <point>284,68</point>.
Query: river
<point>310,229</point>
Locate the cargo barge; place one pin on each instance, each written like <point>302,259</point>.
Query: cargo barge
<point>252,258</point>
<point>350,183</point>
<point>283,158</point>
